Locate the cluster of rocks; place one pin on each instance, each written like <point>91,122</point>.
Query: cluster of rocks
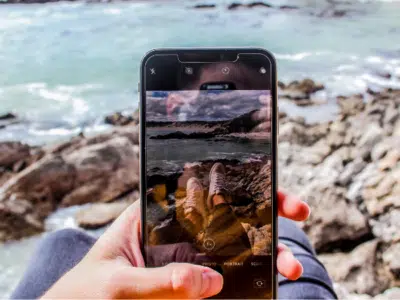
<point>300,92</point>
<point>348,170</point>
<point>122,119</point>
<point>330,9</point>
<point>8,119</point>
<point>35,182</point>
<point>254,4</point>
<point>249,198</point>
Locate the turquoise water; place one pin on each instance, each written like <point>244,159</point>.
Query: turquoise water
<point>65,65</point>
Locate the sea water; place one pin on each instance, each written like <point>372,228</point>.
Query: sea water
<point>64,66</point>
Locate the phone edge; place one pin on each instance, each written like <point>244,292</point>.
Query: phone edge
<point>274,121</point>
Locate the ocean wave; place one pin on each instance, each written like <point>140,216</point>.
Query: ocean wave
<point>55,131</point>
<point>14,22</point>
<point>300,56</point>
<point>380,81</point>
<point>374,59</point>
<point>112,11</point>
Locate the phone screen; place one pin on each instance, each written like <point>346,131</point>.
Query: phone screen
<point>208,169</point>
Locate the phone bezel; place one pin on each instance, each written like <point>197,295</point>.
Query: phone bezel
<point>274,135</point>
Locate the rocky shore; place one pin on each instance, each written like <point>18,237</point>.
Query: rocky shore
<point>348,170</point>
<point>329,9</point>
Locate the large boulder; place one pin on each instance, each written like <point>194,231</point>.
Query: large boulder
<point>352,105</point>
<point>333,222</point>
<point>300,90</point>
<point>103,171</point>
<point>100,214</point>
<point>12,152</point>
<point>122,119</point>
<point>98,169</point>
<point>357,270</point>
<point>260,238</point>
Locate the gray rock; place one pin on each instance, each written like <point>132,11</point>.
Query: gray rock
<point>317,153</point>
<point>374,179</point>
<point>390,160</point>
<point>376,207</point>
<point>350,170</point>
<point>390,294</point>
<point>351,105</point>
<point>396,129</point>
<point>380,149</point>
<point>343,293</point>
<point>76,174</point>
<point>100,214</point>
<point>103,171</point>
<point>12,152</point>
<point>372,135</point>
<point>387,226</point>
<point>392,258</point>
<point>8,116</point>
<point>383,188</point>
<point>300,90</point>
<point>260,239</point>
<point>356,270</point>
<point>333,219</point>
<point>204,6</point>
<point>336,160</point>
<point>355,190</point>
<point>391,114</point>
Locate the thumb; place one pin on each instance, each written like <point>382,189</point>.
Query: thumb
<point>175,280</point>
<point>122,238</point>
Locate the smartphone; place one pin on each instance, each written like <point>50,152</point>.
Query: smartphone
<point>208,136</point>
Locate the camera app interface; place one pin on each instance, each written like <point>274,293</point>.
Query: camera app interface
<point>209,170</point>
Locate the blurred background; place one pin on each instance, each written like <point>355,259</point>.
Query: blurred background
<point>68,92</point>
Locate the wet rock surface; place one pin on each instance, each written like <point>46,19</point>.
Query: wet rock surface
<point>204,6</point>
<point>122,119</point>
<point>101,214</point>
<point>300,92</point>
<point>8,119</point>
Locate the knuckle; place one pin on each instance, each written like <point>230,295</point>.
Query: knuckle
<point>115,283</point>
<point>182,279</point>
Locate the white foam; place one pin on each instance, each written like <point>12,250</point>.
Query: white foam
<point>60,131</point>
<point>300,56</point>
<point>346,68</point>
<point>63,218</point>
<point>375,79</point>
<point>79,106</point>
<point>14,21</point>
<point>112,11</point>
<point>295,57</point>
<point>374,59</point>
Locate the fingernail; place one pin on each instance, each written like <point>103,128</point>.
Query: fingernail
<point>307,215</point>
<point>210,283</point>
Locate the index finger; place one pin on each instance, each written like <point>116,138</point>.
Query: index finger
<point>292,207</point>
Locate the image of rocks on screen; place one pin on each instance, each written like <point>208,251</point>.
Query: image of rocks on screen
<point>209,170</point>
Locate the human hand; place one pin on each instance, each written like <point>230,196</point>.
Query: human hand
<point>292,208</point>
<point>114,268</point>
